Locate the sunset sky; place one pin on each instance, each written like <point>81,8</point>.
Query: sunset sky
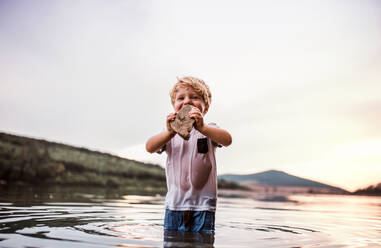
<point>296,83</point>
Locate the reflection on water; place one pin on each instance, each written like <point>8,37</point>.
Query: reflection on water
<point>62,217</point>
<point>183,239</point>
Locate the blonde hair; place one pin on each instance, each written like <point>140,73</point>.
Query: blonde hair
<point>197,85</point>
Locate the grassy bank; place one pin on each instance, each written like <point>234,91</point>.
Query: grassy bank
<point>31,161</point>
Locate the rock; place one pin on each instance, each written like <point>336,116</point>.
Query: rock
<point>183,124</point>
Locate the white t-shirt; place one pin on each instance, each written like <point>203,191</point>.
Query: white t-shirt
<point>191,173</point>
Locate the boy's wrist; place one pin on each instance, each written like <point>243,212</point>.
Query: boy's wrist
<point>203,129</point>
<point>171,133</point>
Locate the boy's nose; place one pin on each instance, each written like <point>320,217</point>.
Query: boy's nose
<point>187,100</point>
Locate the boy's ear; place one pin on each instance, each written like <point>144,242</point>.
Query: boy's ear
<point>206,110</point>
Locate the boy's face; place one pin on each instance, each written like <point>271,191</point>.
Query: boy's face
<point>189,96</point>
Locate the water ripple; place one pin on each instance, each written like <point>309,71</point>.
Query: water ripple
<point>137,221</point>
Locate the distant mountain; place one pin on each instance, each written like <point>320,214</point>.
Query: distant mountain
<point>371,190</point>
<point>274,178</point>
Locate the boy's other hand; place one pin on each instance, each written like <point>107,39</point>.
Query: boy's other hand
<point>196,114</point>
<point>170,118</point>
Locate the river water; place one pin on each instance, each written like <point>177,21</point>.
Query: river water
<point>94,218</point>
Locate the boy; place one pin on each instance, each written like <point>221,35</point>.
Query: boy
<point>191,164</point>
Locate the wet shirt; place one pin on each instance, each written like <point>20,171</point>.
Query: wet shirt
<point>191,173</point>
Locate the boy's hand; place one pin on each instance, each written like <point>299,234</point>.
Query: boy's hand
<point>170,118</point>
<point>196,114</point>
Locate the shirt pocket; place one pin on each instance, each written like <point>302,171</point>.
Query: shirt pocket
<point>202,145</point>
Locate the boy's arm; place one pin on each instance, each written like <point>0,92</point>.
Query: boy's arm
<point>218,135</point>
<point>157,141</point>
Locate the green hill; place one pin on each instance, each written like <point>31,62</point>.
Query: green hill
<point>32,161</point>
<point>276,178</point>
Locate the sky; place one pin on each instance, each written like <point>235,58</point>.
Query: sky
<point>296,83</point>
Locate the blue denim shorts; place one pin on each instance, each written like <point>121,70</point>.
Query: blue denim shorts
<point>193,221</point>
